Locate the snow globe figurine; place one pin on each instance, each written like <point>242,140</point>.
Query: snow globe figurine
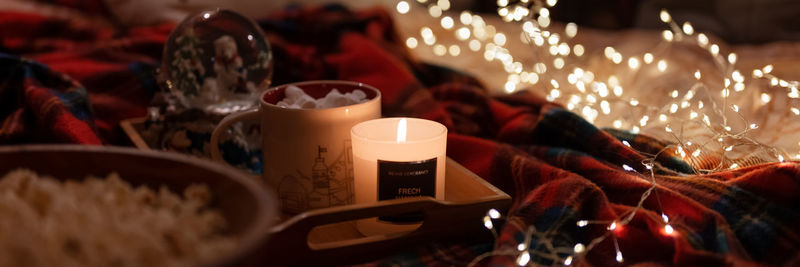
<point>215,62</point>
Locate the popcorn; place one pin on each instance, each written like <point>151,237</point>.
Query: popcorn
<point>298,99</point>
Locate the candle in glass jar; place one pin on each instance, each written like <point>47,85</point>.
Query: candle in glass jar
<point>397,158</point>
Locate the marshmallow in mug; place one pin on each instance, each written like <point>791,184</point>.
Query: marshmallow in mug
<point>297,98</point>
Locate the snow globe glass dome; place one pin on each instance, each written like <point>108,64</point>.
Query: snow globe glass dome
<point>217,61</point>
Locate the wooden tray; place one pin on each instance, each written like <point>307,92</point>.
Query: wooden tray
<point>329,236</point>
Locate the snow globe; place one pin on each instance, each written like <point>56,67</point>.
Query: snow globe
<point>215,62</point>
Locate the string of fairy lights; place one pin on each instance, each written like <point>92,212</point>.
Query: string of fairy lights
<point>701,121</point>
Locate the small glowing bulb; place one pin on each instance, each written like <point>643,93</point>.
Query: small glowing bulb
<point>487,222</point>
<point>543,21</point>
<point>697,74</point>
<point>463,33</point>
<point>668,229</point>
<point>435,11</point>
<point>571,29</point>
<point>439,50</point>
<point>411,42</point>
<point>796,111</point>
<point>696,153</point>
<point>664,15</point>
<point>732,58</point>
<point>551,2</point>
<point>633,63</point>
<point>728,148</point>
<point>669,130</point>
<point>662,65</point>
<point>579,248</point>
<point>609,52</point>
<point>500,39</point>
<point>474,45</point>
<point>702,39</point>
<point>426,32</point>
<point>617,58</point>
<point>714,49</point>
<point>582,223</point>
<point>563,49</point>
<point>673,108</point>
<point>735,107</point>
<point>544,12</point>
<point>465,18</point>
<point>568,261</point>
<point>665,218</point>
<point>737,76</point>
<point>624,142</point>
<point>613,225</point>
<point>767,69</point>
<point>558,63</point>
<point>617,124</point>
<point>494,214</point>
<point>444,4</point>
<point>619,257</point>
<point>522,246</point>
<point>403,7</point>
<point>648,58</point>
<point>780,158</point>
<point>454,50</point>
<point>738,87</point>
<point>626,168</point>
<point>447,22</point>
<point>674,94</point>
<point>753,126</point>
<point>734,166</point>
<point>687,28</point>
<point>578,50</point>
<point>524,258</point>
<point>765,98</point>
<point>510,87</point>
<point>668,36</point>
<point>662,117</point>
<point>692,115</point>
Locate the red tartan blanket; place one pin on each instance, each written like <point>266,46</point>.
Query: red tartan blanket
<point>558,168</point>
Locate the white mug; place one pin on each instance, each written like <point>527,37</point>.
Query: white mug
<point>307,154</point>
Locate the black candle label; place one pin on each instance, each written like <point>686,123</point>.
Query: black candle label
<point>403,180</point>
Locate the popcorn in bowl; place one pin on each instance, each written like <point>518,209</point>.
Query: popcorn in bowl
<point>106,222</point>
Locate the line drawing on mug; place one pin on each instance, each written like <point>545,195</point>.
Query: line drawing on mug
<point>327,185</point>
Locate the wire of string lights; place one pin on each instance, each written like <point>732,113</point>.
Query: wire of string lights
<point>706,128</point>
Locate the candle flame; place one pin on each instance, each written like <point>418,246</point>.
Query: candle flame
<point>401,130</point>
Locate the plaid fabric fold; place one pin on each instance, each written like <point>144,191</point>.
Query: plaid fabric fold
<point>557,167</point>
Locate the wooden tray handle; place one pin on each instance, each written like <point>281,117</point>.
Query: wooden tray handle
<point>289,243</point>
